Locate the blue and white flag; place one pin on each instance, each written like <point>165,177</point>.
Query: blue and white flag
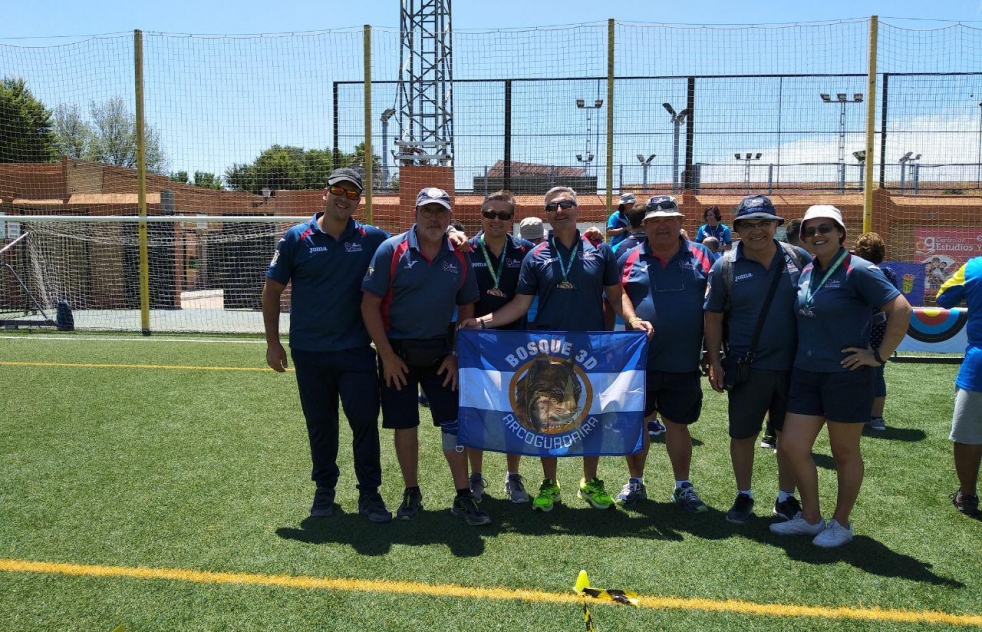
<point>552,393</point>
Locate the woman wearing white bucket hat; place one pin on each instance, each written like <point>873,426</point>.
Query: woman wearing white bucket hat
<point>832,380</point>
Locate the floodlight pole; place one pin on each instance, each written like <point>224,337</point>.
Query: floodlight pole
<point>645,163</point>
<point>588,156</point>
<point>841,99</point>
<point>749,156</point>
<point>903,169</point>
<point>861,158</point>
<point>677,119</point>
<point>386,115</point>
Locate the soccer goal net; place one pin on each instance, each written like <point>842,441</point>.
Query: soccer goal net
<point>206,273</point>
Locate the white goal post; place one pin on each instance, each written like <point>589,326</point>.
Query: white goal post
<point>205,271</point>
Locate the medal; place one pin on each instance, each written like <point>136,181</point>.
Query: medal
<point>806,307</point>
<point>806,312</point>
<point>495,275</point>
<point>565,284</point>
<point>496,292</point>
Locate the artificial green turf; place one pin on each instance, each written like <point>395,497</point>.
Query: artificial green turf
<point>209,471</point>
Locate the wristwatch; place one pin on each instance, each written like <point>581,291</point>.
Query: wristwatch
<point>876,356</point>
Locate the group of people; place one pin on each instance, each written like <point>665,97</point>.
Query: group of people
<point>784,330</point>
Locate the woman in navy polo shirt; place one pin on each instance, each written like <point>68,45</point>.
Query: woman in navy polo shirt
<point>833,375</point>
<point>714,227</point>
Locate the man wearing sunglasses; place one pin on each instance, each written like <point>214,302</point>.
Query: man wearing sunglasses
<point>325,260</point>
<point>415,281</point>
<point>664,279</point>
<point>738,288</point>
<point>570,276</point>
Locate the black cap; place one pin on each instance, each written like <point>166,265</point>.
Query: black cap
<point>345,174</point>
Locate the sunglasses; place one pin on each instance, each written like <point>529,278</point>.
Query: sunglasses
<point>552,207</point>
<point>824,229</point>
<point>348,193</point>
<point>764,223</point>
<point>502,215</point>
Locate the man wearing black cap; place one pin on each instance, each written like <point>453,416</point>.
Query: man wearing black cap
<point>325,260</point>
<point>738,288</point>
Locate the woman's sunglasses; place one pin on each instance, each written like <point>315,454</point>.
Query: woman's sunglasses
<point>823,229</point>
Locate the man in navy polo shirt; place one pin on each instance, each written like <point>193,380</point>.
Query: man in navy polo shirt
<point>665,279</point>
<point>325,260</point>
<point>739,284</point>
<point>412,287</point>
<point>570,276</point>
<point>496,257</point>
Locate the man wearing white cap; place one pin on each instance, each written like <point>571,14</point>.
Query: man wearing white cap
<point>833,376</point>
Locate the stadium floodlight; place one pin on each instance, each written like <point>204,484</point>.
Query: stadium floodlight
<point>677,119</point>
<point>842,99</point>
<point>903,168</point>
<point>857,97</point>
<point>645,163</point>
<point>860,157</point>
<point>588,156</point>
<point>671,110</point>
<point>737,156</point>
<point>746,159</point>
<point>826,97</point>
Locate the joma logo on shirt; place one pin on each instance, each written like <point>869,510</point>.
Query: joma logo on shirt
<point>748,275</point>
<point>319,249</point>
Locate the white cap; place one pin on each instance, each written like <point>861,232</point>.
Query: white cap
<point>818,211</point>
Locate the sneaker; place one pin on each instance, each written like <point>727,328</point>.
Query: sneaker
<point>593,492</point>
<point>478,484</point>
<point>547,496</point>
<point>373,507</point>
<point>423,401</point>
<point>687,497</point>
<point>876,423</point>
<point>515,489</point>
<point>768,442</point>
<point>465,506</point>
<point>742,509</point>
<point>966,503</point>
<point>834,535</point>
<point>632,492</point>
<point>798,526</point>
<point>323,505</point>
<point>655,428</point>
<point>412,503</point>
<point>787,509</point>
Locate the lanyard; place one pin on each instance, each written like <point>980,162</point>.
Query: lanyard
<point>495,276</point>
<point>569,264</point>
<point>813,289</point>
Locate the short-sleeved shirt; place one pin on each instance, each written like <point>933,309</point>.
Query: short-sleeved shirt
<point>419,295</point>
<point>592,269</point>
<point>966,284</point>
<point>514,254</point>
<point>751,284</point>
<point>843,312</point>
<point>634,239</point>
<point>326,276</point>
<point>618,219</point>
<point>669,295</point>
<point>720,232</point>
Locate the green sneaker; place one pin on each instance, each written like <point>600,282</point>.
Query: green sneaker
<point>547,496</point>
<point>594,494</point>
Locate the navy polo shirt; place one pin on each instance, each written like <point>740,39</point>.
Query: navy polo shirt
<point>593,268</point>
<point>418,295</point>
<point>618,219</point>
<point>326,273</point>
<point>514,254</point>
<point>751,283</point>
<point>634,239</point>
<point>669,295</point>
<point>721,233</point>
<point>843,309</point>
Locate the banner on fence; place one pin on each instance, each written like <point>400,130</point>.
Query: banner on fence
<point>548,393</point>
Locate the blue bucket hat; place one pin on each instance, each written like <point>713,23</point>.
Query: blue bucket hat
<point>756,207</point>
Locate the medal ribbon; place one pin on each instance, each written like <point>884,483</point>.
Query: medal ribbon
<point>569,264</point>
<point>813,289</point>
<point>495,276</point>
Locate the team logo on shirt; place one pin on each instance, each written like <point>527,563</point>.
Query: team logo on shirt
<point>352,247</point>
<point>410,264</point>
<point>318,249</point>
<point>743,277</point>
<point>450,266</point>
<point>833,285</point>
<point>276,256</point>
<point>368,272</point>
<point>513,263</point>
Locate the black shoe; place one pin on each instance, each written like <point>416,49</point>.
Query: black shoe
<point>465,506</point>
<point>373,508</point>
<point>743,508</point>
<point>412,502</point>
<point>787,509</point>
<point>968,505</point>
<point>768,442</point>
<point>323,503</point>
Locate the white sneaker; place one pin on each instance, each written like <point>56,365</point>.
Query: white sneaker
<point>515,488</point>
<point>834,535</point>
<point>798,526</point>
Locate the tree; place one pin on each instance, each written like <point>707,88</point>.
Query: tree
<point>208,180</point>
<point>282,167</point>
<point>181,177</point>
<point>114,137</point>
<point>25,125</point>
<point>72,131</point>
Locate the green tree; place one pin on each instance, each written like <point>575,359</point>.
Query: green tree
<point>283,167</point>
<point>72,131</point>
<point>25,125</point>
<point>114,137</point>
<point>208,180</point>
<point>180,177</point>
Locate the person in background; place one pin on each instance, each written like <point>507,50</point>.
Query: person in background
<point>594,235</point>
<point>870,246</point>
<point>832,379</point>
<point>714,227</point>
<point>966,421</point>
<point>713,245</point>
<point>793,235</point>
<point>496,257</point>
<point>531,229</point>
<point>618,227</point>
<point>325,260</point>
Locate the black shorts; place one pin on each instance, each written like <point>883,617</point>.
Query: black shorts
<point>765,393</point>
<point>842,396</point>
<point>400,408</point>
<point>676,396</point>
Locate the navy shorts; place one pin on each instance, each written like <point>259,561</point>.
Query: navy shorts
<point>766,392</point>
<point>880,389</point>
<point>400,408</point>
<point>842,396</point>
<point>676,396</point>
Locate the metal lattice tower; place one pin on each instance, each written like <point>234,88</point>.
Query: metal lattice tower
<point>425,84</point>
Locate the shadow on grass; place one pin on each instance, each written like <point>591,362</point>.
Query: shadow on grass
<point>907,435</point>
